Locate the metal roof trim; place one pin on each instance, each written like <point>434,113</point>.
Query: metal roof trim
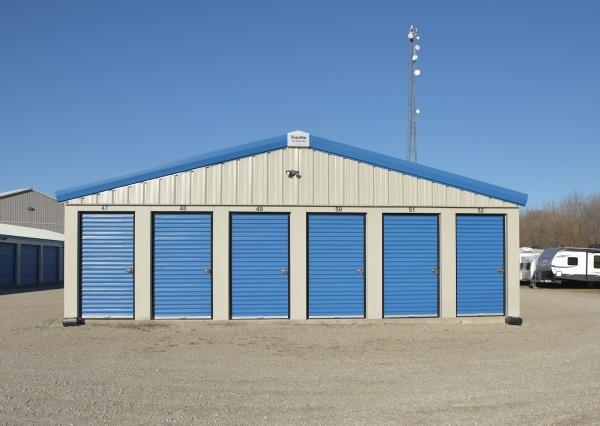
<point>203,160</point>
<point>17,231</point>
<point>15,192</point>
<point>321,144</point>
<point>418,170</point>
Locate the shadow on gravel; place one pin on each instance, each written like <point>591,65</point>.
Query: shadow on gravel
<point>571,285</point>
<point>29,288</point>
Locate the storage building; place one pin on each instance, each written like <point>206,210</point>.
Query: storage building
<point>297,227</point>
<point>32,209</point>
<point>29,256</point>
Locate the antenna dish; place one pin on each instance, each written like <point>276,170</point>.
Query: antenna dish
<point>414,58</point>
<point>418,111</point>
<point>417,72</point>
<point>417,47</point>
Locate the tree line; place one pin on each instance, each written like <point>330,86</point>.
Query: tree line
<point>574,221</point>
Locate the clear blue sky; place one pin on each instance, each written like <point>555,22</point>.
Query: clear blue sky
<point>510,90</point>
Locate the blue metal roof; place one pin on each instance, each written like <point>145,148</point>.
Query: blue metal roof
<point>321,144</point>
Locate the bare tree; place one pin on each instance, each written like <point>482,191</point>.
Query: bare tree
<point>575,221</point>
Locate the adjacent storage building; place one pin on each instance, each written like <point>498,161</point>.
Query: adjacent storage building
<point>296,227</point>
<point>29,256</point>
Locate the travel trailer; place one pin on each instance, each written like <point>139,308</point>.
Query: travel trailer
<point>558,265</point>
<point>528,257</point>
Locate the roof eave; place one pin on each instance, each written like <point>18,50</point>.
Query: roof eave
<point>418,170</point>
<point>204,160</point>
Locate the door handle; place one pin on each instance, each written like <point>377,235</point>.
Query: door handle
<point>500,270</point>
<point>285,271</point>
<point>360,270</point>
<point>129,270</point>
<point>207,270</point>
<point>436,271</point>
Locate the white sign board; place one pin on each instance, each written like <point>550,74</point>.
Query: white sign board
<point>298,139</point>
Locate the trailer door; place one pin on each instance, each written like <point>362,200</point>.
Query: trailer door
<point>593,267</point>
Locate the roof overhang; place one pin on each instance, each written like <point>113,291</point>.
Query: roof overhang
<point>9,231</point>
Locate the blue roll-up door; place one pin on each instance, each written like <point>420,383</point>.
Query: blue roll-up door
<point>259,265</point>
<point>107,265</point>
<point>410,265</point>
<point>8,263</point>
<point>50,262</point>
<point>336,265</point>
<point>182,265</point>
<point>479,265</point>
<point>30,264</point>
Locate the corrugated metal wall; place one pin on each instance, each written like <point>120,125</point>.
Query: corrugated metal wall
<point>326,179</point>
<point>47,213</point>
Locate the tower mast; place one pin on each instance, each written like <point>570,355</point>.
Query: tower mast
<point>413,73</point>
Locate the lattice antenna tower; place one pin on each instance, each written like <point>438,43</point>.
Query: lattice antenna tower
<point>413,110</point>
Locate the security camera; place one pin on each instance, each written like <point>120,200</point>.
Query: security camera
<point>292,173</point>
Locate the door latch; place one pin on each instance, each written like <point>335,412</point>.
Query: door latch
<point>207,270</point>
<point>500,270</point>
<point>129,270</point>
<point>360,270</point>
<point>285,271</point>
<point>436,271</point>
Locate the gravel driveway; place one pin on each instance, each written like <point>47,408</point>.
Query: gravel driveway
<point>336,372</point>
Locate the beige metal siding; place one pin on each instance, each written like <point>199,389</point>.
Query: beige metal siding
<point>260,179</point>
<point>244,181</point>
<point>275,173</point>
<point>366,185</point>
<point>325,179</point>
<point>306,189</point>
<point>46,214</point>
<point>198,186</point>
<point>320,173</point>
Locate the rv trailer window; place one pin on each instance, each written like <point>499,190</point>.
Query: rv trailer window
<point>529,266</point>
<point>596,262</point>
<point>572,261</point>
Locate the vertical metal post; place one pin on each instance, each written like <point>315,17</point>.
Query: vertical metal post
<point>41,265</point>
<point>18,265</point>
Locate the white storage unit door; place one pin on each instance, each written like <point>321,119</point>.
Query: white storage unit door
<point>259,265</point>
<point>107,265</point>
<point>182,261</point>
<point>336,265</point>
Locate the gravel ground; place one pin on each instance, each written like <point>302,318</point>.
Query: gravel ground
<point>547,371</point>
